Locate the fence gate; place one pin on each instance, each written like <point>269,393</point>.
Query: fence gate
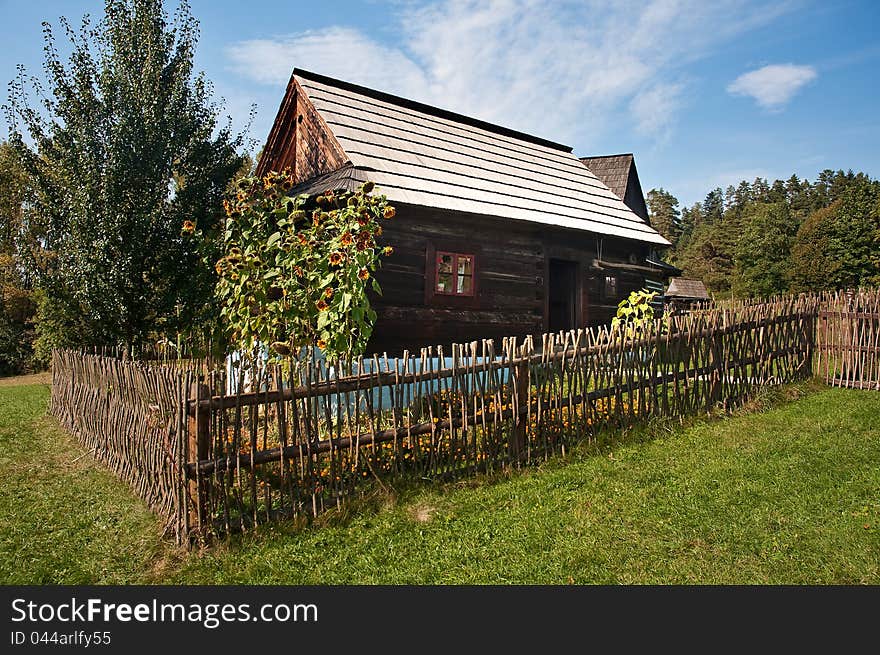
<point>849,341</point>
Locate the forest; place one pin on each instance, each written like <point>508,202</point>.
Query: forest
<point>761,238</point>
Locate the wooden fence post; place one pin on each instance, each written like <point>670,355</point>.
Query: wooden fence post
<point>518,435</point>
<point>198,431</point>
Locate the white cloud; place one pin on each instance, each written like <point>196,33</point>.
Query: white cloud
<point>562,70</point>
<point>774,85</point>
<point>337,52</point>
<point>654,108</point>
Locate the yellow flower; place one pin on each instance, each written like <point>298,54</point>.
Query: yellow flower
<point>346,239</point>
<point>387,250</point>
<point>321,305</point>
<point>335,258</point>
<point>364,274</point>
<point>189,227</point>
<point>328,292</point>
<point>389,212</point>
<point>322,344</point>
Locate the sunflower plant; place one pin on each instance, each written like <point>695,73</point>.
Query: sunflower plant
<point>295,270</point>
<point>635,314</point>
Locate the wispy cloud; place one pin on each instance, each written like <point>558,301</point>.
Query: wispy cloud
<point>654,108</point>
<point>563,70</point>
<point>772,86</point>
<point>337,51</point>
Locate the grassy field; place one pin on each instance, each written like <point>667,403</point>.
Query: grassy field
<point>786,496</point>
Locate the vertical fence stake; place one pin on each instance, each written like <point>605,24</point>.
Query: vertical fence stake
<point>198,431</point>
<point>521,401</point>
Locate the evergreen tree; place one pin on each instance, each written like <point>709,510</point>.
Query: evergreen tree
<point>778,192</point>
<point>127,149</point>
<point>743,194</point>
<point>665,217</point>
<point>713,206</point>
<point>691,217</point>
<point>760,190</point>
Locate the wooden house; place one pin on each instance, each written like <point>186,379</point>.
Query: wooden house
<point>497,232</point>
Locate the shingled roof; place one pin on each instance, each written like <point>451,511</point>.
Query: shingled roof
<point>619,174</point>
<point>422,155</point>
<point>683,288</point>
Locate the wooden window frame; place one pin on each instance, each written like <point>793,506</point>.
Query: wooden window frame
<point>451,300</point>
<point>456,257</point>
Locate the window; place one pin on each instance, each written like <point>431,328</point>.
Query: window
<point>610,286</point>
<point>455,274</point>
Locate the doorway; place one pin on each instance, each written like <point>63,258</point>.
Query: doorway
<point>562,295</point>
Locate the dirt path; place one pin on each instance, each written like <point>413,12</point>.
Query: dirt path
<point>35,378</point>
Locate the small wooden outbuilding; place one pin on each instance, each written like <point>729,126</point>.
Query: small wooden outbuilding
<point>683,294</point>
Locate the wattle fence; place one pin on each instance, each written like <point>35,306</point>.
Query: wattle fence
<point>849,341</point>
<point>298,438</point>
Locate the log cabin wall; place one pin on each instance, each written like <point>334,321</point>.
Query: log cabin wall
<point>511,278</point>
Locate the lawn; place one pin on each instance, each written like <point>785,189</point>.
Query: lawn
<point>790,495</point>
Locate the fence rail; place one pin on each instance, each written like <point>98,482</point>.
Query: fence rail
<point>299,437</point>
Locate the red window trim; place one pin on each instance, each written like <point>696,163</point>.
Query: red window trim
<point>455,274</point>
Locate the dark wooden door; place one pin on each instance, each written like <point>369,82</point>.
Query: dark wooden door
<point>562,295</point>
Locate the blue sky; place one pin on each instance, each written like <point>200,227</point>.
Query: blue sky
<point>704,93</point>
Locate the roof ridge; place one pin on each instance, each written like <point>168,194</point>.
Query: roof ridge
<point>431,110</point>
<point>622,154</point>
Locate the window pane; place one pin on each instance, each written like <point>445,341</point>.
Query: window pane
<point>444,282</point>
<point>465,283</point>
<point>444,264</point>
<point>610,286</point>
<point>465,265</point>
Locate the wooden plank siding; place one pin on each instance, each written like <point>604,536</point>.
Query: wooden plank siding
<point>511,278</point>
<point>301,140</point>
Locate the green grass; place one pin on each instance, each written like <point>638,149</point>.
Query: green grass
<point>63,517</point>
<point>786,496</point>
